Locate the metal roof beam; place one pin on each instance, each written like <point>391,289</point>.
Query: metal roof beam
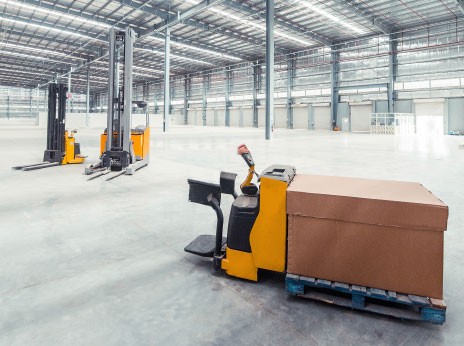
<point>354,8</point>
<point>461,5</point>
<point>181,17</point>
<point>296,29</point>
<point>230,33</point>
<point>68,10</point>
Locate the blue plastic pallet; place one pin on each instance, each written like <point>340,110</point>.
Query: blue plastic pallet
<point>407,307</point>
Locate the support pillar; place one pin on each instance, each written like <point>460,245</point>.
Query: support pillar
<point>269,68</point>
<point>204,94</point>
<point>187,89</point>
<point>167,58</point>
<point>257,78</point>
<point>290,79</point>
<point>227,95</point>
<point>69,97</point>
<point>393,72</point>
<point>335,84</point>
<point>87,106</point>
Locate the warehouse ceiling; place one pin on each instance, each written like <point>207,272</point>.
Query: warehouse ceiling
<point>43,39</point>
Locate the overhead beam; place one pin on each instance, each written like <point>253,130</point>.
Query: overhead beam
<point>68,10</point>
<point>374,20</point>
<point>291,27</point>
<point>461,5</point>
<point>180,17</point>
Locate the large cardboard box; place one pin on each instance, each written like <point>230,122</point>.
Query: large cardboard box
<point>379,234</point>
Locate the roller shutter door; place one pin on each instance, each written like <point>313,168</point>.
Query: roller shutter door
<point>361,118</point>
<point>280,114</point>
<point>300,118</point>
<point>430,118</point>
<point>210,117</point>
<point>247,117</point>
<point>235,117</point>
<point>322,119</point>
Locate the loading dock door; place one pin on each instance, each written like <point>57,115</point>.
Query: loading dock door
<point>361,118</point>
<point>300,118</point>
<point>280,114</point>
<point>430,118</point>
<point>322,120</point>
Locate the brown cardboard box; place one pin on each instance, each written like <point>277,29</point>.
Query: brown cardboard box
<point>380,234</point>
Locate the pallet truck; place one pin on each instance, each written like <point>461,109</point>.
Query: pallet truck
<point>126,150</point>
<point>256,236</point>
<point>256,239</point>
<point>62,148</point>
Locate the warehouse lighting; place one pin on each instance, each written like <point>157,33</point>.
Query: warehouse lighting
<point>58,31</point>
<point>253,24</point>
<point>175,56</point>
<point>29,56</point>
<point>37,50</point>
<point>330,16</point>
<point>198,49</point>
<point>48,12</point>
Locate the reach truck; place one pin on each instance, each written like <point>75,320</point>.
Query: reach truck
<point>62,148</point>
<point>126,150</point>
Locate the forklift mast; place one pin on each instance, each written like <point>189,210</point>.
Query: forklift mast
<point>119,152</point>
<point>55,149</point>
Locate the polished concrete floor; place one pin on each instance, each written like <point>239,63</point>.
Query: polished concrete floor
<point>102,263</point>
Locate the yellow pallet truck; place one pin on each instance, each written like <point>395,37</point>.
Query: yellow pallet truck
<point>62,148</point>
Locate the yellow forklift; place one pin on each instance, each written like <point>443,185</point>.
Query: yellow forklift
<point>62,148</point>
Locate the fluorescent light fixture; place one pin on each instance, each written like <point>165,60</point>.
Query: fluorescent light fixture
<point>20,72</point>
<point>38,50</point>
<point>58,31</point>
<point>331,17</point>
<point>198,49</point>
<point>30,56</point>
<point>48,12</point>
<point>175,56</point>
<point>248,22</point>
<point>144,69</point>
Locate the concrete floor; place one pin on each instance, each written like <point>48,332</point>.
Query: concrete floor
<point>102,263</point>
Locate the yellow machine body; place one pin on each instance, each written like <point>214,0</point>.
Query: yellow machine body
<point>267,238</point>
<point>70,156</point>
<point>140,143</point>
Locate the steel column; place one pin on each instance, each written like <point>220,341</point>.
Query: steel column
<point>167,58</point>
<point>269,67</point>
<point>87,106</point>
<point>393,72</point>
<point>335,83</point>
<point>69,97</point>
<point>187,84</point>
<point>290,79</point>
<point>204,103</point>
<point>227,95</point>
<point>257,77</point>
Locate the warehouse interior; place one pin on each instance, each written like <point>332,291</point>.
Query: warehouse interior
<point>344,88</point>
